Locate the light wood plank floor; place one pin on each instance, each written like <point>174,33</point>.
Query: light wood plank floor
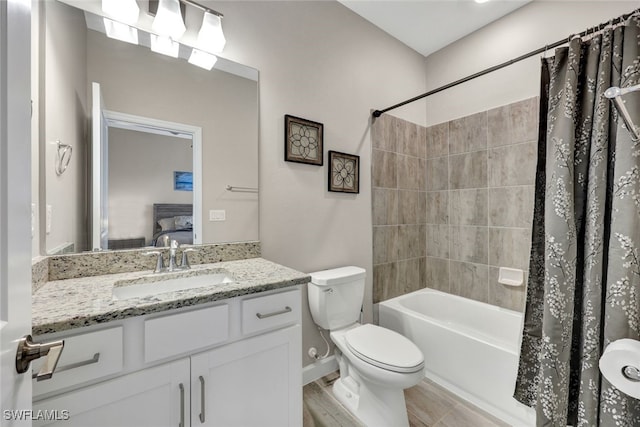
<point>428,405</point>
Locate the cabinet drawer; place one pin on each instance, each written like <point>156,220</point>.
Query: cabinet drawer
<point>85,357</point>
<point>185,332</point>
<point>270,311</point>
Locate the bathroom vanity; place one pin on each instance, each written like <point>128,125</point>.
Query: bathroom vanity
<point>226,354</point>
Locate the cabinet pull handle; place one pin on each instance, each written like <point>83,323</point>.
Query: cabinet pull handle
<point>287,309</point>
<point>94,359</point>
<point>181,405</point>
<point>202,399</point>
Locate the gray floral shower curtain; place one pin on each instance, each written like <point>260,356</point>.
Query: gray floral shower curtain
<point>584,274</point>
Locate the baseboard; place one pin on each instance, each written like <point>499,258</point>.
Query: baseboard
<point>319,369</point>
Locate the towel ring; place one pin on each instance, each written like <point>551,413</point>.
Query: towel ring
<point>64,157</point>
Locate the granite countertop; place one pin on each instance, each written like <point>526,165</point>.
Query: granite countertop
<point>74,303</point>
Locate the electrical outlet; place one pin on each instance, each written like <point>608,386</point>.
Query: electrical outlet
<point>48,218</point>
<point>217,215</point>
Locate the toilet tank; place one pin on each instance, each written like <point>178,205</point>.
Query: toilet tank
<point>335,296</point>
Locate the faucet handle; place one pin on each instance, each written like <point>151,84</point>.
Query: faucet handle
<point>185,258</point>
<point>174,244</point>
<point>159,262</point>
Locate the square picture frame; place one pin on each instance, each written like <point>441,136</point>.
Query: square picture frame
<point>344,172</point>
<point>303,141</point>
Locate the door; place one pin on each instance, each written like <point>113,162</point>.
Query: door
<point>256,382</point>
<point>153,397</point>
<point>99,174</point>
<point>15,206</point>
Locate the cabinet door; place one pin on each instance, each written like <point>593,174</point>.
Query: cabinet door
<point>253,382</point>
<point>147,398</point>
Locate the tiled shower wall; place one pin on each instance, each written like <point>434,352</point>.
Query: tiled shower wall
<point>476,176</point>
<point>399,203</point>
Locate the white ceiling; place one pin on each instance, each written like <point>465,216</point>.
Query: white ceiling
<point>429,25</point>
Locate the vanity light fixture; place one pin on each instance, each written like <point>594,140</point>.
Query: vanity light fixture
<point>210,37</point>
<point>202,59</point>
<point>125,11</point>
<point>164,45</point>
<point>168,20</point>
<point>120,31</point>
<point>481,1</point>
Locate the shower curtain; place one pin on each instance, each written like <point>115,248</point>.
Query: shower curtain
<point>584,273</point>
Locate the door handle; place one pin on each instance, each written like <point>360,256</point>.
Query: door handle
<point>28,351</point>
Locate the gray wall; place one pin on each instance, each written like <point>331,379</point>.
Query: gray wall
<point>64,98</point>
<point>141,167</point>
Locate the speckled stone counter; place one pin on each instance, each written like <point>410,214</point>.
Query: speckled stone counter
<point>77,302</point>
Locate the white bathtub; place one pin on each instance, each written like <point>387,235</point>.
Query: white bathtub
<point>470,348</point>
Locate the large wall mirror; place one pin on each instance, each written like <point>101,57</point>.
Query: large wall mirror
<point>177,156</point>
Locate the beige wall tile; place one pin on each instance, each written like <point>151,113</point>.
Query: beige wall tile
<point>437,207</point>
<point>513,123</point>
<point>437,140</point>
<point>468,170</point>
<point>409,242</point>
<point>385,206</point>
<point>469,280</point>
<point>422,207</point>
<point>408,206</point>
<point>468,134</point>
<point>513,165</point>
<point>408,276</point>
<point>511,206</point>
<point>469,244</point>
<point>437,274</point>
<point>524,120</point>
<point>437,240</point>
<point>385,169</point>
<point>468,207</point>
<point>384,281</point>
<point>509,247</point>
<point>422,142</point>
<point>409,176</point>
<point>407,138</point>
<point>437,174</point>
<point>385,244</point>
<point>383,133</point>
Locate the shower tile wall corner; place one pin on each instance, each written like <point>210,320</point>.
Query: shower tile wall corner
<point>399,206</point>
<point>471,205</point>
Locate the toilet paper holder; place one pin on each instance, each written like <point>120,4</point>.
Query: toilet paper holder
<point>631,373</point>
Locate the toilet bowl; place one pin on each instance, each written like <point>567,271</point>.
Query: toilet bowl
<point>376,364</point>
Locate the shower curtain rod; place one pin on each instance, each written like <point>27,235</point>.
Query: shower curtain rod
<point>592,30</point>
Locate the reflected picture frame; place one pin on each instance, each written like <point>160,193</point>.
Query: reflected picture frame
<point>303,141</point>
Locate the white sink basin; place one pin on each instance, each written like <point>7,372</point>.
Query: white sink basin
<point>170,282</point>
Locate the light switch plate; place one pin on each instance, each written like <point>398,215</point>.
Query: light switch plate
<point>217,215</point>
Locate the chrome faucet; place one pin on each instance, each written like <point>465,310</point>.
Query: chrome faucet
<point>172,256</point>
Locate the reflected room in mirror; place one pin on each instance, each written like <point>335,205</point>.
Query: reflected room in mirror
<point>141,125</point>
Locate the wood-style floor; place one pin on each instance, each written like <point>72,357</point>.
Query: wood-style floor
<point>428,405</point>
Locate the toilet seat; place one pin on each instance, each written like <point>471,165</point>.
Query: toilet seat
<point>384,348</point>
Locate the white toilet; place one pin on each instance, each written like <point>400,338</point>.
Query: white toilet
<point>376,364</point>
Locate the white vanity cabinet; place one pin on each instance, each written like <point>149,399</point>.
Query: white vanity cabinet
<point>153,397</point>
<point>246,371</point>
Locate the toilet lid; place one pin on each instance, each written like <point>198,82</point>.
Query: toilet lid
<point>384,348</point>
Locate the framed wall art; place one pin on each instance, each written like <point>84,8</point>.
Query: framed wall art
<point>302,141</point>
<point>344,172</point>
